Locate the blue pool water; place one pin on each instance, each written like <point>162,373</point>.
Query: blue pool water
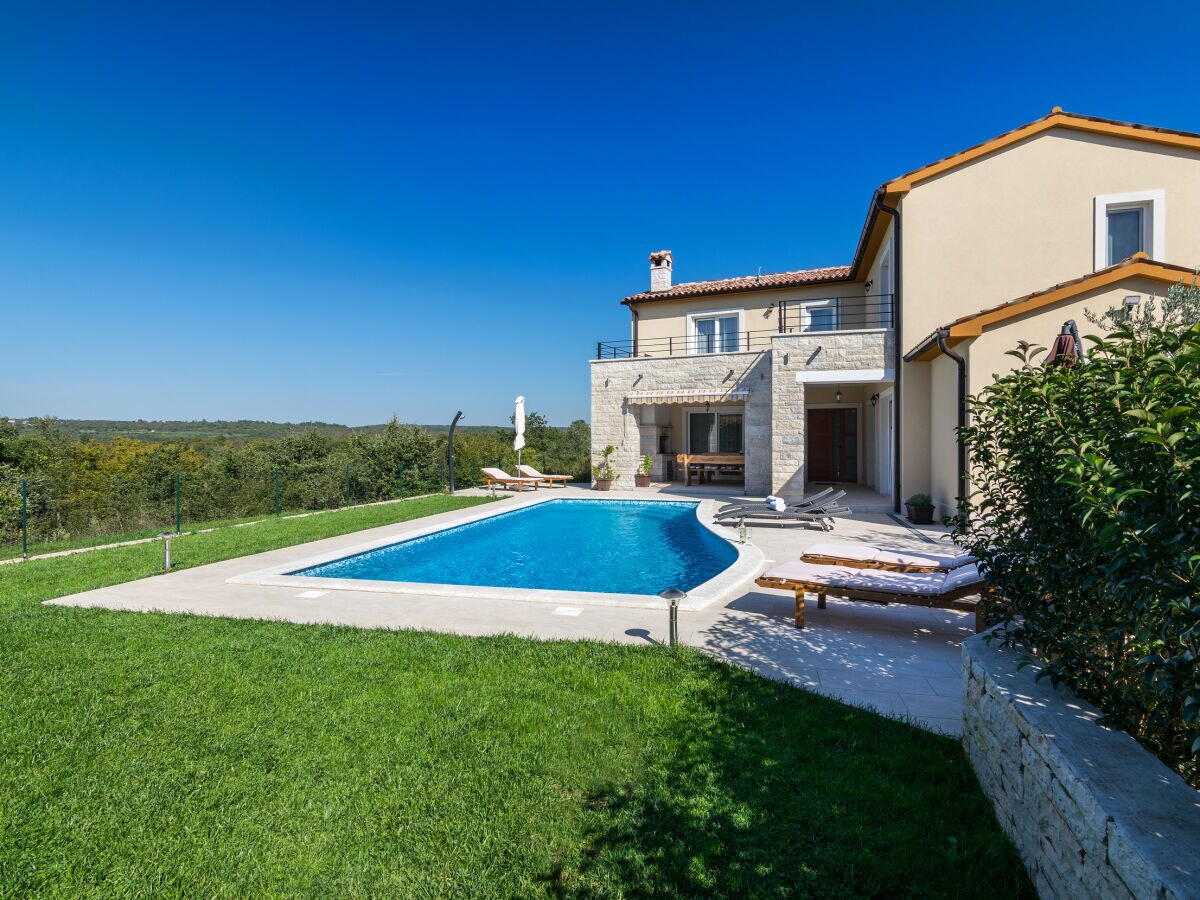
<point>609,546</point>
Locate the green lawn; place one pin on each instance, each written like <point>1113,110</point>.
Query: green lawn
<point>147,754</point>
<point>12,549</point>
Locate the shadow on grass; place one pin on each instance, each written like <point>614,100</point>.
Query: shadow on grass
<point>768,790</point>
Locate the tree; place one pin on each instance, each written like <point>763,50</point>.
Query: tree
<point>1180,308</point>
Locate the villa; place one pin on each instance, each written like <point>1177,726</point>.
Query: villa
<point>857,374</point>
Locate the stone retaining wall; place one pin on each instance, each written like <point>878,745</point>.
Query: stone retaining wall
<point>1092,813</point>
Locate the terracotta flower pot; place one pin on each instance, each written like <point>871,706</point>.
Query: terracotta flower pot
<point>641,480</point>
<point>602,484</point>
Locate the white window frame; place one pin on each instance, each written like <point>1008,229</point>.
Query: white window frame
<point>1154,222</point>
<point>827,302</point>
<point>694,337</point>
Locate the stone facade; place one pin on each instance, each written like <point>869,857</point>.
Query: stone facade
<point>1091,812</point>
<point>824,354</point>
<point>615,420</point>
<point>774,418</point>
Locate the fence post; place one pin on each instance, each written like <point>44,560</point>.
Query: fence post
<point>277,492</point>
<point>24,519</point>
<point>347,485</point>
<point>401,480</point>
<point>178,516</point>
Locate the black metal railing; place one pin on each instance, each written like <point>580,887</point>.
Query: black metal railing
<point>817,316</point>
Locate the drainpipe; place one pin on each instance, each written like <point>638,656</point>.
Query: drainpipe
<point>897,362</point>
<point>942,334</point>
<point>633,313</point>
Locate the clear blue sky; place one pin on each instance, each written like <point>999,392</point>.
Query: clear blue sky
<point>345,211</point>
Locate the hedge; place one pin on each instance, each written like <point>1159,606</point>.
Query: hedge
<point>1086,513</point>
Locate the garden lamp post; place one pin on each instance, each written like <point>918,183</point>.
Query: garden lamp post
<point>450,449</point>
<point>673,596</point>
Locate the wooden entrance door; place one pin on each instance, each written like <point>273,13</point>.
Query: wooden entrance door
<point>832,445</point>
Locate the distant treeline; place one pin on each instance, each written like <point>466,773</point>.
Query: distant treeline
<point>239,430</point>
<point>78,487</point>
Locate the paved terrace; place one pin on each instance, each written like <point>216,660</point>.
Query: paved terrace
<point>899,660</point>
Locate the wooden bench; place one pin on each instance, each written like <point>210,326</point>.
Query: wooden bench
<point>706,464</point>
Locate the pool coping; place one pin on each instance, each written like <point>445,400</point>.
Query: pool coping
<point>724,586</point>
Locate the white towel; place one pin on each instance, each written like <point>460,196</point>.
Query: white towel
<point>776,503</point>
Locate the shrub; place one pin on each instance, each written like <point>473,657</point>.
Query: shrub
<point>1086,512</point>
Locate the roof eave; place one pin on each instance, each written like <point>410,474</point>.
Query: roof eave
<point>650,298</point>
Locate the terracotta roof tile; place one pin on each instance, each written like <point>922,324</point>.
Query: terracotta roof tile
<point>744,283</point>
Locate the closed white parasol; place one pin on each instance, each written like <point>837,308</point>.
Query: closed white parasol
<point>519,423</point>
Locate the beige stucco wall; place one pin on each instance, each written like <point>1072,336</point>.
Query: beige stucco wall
<point>1022,220</point>
<point>943,443</point>
<point>662,320</point>
<point>987,358</point>
<point>988,351</point>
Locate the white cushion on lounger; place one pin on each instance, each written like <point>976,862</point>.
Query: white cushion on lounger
<point>941,560</point>
<point>864,579</point>
<point>962,576</point>
<point>843,550</point>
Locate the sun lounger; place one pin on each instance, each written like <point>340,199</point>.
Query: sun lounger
<point>818,512</point>
<point>802,503</point>
<point>499,476</point>
<point>531,472</point>
<point>940,590</point>
<point>821,516</point>
<point>865,556</point>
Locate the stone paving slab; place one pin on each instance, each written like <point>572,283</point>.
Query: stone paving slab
<point>899,660</point>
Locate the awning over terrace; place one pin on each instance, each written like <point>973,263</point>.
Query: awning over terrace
<point>688,396</point>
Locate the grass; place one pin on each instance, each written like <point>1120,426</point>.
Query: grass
<point>147,754</point>
<point>13,550</point>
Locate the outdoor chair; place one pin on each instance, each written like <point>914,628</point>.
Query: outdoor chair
<point>499,476</point>
<point>938,590</point>
<point>531,472</point>
<point>865,556</point>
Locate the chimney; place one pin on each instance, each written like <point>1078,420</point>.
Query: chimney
<point>660,270</point>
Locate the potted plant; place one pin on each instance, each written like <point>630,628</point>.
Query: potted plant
<point>642,478</point>
<point>603,474</point>
<point>920,509</point>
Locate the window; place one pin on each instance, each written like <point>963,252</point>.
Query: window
<point>1127,224</point>
<point>714,432</point>
<point>819,315</point>
<point>1126,234</point>
<point>716,332</point>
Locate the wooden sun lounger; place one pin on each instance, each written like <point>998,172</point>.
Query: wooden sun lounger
<point>866,556</point>
<point>938,590</point>
<point>531,472</point>
<point>499,476</point>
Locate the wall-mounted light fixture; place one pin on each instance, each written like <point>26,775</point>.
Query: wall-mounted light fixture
<point>874,400</point>
<point>1131,301</point>
<point>867,286</point>
<point>838,395</point>
<point>767,312</point>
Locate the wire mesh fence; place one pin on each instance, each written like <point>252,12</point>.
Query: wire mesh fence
<point>43,514</point>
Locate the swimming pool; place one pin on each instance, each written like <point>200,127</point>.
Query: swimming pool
<point>596,546</point>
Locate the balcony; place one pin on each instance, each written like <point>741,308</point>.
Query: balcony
<point>720,334</point>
